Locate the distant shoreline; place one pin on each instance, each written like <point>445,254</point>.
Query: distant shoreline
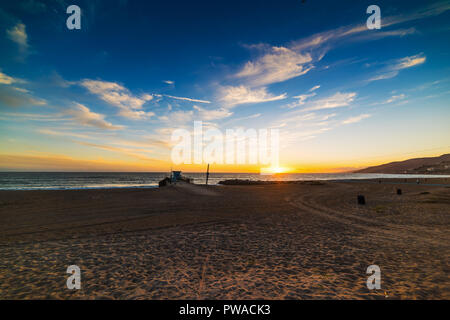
<point>435,180</point>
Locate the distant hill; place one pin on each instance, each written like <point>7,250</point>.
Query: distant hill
<point>432,165</point>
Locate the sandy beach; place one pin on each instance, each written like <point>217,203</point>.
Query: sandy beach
<point>278,241</point>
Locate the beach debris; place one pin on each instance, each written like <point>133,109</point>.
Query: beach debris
<point>361,199</point>
<point>399,192</point>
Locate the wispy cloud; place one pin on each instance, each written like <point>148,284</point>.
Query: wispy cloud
<point>5,79</point>
<point>64,163</point>
<point>384,34</point>
<point>409,62</point>
<point>281,63</point>
<point>21,90</point>
<point>277,64</point>
<point>60,133</point>
<point>178,117</point>
<point>299,119</point>
<point>337,100</point>
<point>126,146</point>
<point>400,64</point>
<point>253,116</point>
<point>169,82</point>
<point>146,142</point>
<point>19,35</point>
<point>395,98</point>
<point>232,96</point>
<point>314,88</point>
<point>384,76</point>
<point>298,126</point>
<point>356,119</point>
<point>140,154</point>
<point>84,116</point>
<point>350,32</point>
<point>187,99</point>
<point>18,97</point>
<point>291,138</point>
<point>57,80</point>
<point>301,100</point>
<point>427,11</point>
<point>232,120</point>
<point>34,117</point>
<point>136,114</point>
<point>119,96</point>
<point>214,114</point>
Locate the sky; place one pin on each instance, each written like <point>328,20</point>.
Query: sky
<point>108,96</point>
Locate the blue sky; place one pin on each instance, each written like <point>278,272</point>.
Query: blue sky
<point>106,97</point>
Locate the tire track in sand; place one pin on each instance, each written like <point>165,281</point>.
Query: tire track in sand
<point>375,227</point>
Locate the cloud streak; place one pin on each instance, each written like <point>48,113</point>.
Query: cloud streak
<point>277,64</point>
<point>215,114</point>
<point>400,64</point>
<point>178,117</point>
<point>187,99</point>
<point>18,97</point>
<point>19,35</point>
<point>84,116</point>
<point>356,119</point>
<point>232,96</point>
<point>5,79</point>
<point>338,100</point>
<point>117,95</point>
<point>281,63</point>
<point>395,98</point>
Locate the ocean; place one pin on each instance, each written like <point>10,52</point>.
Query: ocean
<point>92,180</point>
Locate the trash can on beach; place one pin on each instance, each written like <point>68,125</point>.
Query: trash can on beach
<point>361,199</point>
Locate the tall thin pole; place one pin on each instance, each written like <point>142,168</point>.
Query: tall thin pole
<point>207,174</point>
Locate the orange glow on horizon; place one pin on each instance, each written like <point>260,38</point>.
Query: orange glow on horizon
<point>55,162</point>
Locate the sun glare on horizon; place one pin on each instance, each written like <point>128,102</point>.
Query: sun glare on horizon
<point>275,170</point>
